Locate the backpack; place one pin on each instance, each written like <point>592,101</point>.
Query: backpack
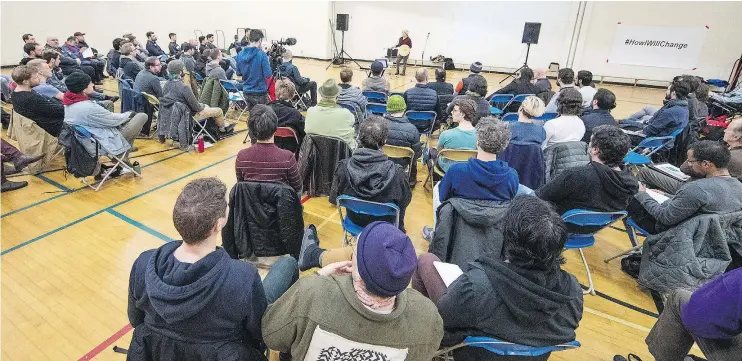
<point>79,162</point>
<point>448,64</point>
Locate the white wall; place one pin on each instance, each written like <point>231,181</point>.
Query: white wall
<point>105,20</point>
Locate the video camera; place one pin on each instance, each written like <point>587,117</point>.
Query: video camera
<point>275,54</point>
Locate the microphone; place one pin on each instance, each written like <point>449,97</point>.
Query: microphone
<point>291,41</point>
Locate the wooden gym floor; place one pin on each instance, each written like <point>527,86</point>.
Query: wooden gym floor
<point>67,251</point>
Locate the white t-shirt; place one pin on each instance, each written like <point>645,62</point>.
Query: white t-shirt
<point>567,128</point>
<point>588,93</point>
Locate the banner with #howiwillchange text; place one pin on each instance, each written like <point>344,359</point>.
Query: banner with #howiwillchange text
<point>660,46</point>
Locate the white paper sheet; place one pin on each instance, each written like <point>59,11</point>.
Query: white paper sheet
<point>449,272</point>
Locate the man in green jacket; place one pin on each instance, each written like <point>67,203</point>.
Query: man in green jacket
<point>359,309</point>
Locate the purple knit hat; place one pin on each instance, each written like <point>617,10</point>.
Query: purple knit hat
<point>386,259</point>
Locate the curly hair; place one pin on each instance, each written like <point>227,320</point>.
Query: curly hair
<point>612,144</point>
<point>493,135</point>
<point>478,86</point>
<point>534,234</point>
<point>285,89</point>
<point>468,107</point>
<point>373,132</point>
<point>198,207</point>
<point>569,102</point>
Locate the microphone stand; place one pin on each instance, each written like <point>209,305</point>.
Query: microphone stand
<point>422,58</point>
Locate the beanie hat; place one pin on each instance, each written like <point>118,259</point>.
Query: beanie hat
<point>377,67</point>
<point>77,81</point>
<point>475,67</point>
<point>329,89</point>
<point>386,259</point>
<point>395,104</point>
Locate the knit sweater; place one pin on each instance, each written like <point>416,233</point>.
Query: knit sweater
<point>45,112</point>
<point>322,314</point>
<point>333,121</point>
<point>526,133</point>
<point>441,87</point>
<point>266,162</point>
<point>713,311</point>
<point>352,95</point>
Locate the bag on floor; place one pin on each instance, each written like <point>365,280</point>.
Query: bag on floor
<point>630,265</point>
<point>79,162</point>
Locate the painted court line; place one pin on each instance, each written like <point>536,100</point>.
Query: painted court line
<point>108,342</point>
<point>141,226</point>
<point>52,182</point>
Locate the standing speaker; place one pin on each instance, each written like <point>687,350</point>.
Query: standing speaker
<point>342,22</point>
<point>530,33</point>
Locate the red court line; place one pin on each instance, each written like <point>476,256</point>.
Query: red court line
<point>305,199</point>
<point>108,342</point>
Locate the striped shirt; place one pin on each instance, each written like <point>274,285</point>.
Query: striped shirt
<point>267,162</point>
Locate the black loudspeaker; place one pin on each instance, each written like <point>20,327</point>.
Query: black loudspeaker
<point>342,22</point>
<point>530,33</point>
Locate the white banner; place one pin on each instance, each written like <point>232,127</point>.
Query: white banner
<point>667,47</point>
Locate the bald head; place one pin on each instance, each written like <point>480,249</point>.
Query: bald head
<point>733,133</point>
<point>52,41</point>
<point>288,55</point>
<point>421,75</point>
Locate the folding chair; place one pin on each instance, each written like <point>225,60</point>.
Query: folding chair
<point>498,103</point>
<point>518,99</point>
<point>84,135</point>
<point>423,121</point>
<point>198,129</point>
<point>505,348</point>
<point>235,97</point>
<point>631,230</point>
<point>547,116</point>
<point>510,117</point>
<point>642,153</point>
<point>155,104</point>
<point>357,114</point>
<point>402,154</point>
<point>593,222</point>
<point>456,155</point>
<point>285,138</point>
<point>376,97</point>
<point>360,206</point>
<point>376,109</point>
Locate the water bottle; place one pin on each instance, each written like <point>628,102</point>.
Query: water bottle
<point>137,168</point>
<point>201,144</point>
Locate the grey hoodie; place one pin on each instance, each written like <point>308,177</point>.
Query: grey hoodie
<point>215,71</point>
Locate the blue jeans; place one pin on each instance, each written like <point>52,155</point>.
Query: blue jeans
<point>283,274</point>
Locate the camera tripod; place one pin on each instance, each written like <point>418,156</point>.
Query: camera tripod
<point>339,58</point>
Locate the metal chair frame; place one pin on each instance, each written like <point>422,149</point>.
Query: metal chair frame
<point>344,201</point>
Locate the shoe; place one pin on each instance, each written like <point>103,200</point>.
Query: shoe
<point>98,83</point>
<point>397,73</point>
<point>308,244</point>
<point>112,98</point>
<point>228,129</point>
<point>11,186</point>
<point>161,139</point>
<point>104,169</point>
<point>133,149</point>
<point>428,232</point>
<point>25,160</point>
<point>9,169</point>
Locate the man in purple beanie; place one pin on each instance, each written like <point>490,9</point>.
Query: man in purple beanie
<point>359,309</point>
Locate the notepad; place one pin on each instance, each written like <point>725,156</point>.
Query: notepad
<point>88,53</point>
<point>660,198</point>
<point>671,171</point>
<point>449,272</point>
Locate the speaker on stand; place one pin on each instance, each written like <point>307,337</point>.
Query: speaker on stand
<point>341,24</point>
<point>531,32</point>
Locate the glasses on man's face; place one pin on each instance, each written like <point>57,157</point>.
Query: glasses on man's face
<point>693,161</point>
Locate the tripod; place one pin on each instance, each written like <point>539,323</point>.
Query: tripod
<point>339,58</point>
<point>525,64</point>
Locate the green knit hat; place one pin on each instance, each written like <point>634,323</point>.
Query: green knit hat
<point>396,104</point>
<point>329,89</point>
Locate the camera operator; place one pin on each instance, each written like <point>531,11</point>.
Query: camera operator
<point>255,69</point>
<point>303,84</point>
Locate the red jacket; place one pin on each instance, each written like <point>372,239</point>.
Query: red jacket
<point>407,42</point>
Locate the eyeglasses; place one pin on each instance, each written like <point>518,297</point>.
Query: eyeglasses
<point>693,160</point>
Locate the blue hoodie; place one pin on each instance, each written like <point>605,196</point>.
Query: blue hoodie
<point>477,179</point>
<point>254,67</point>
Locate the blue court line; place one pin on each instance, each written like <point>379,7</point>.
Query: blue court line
<point>46,179</point>
<point>140,226</point>
<point>112,206</point>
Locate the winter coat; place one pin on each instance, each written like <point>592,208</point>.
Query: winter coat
<point>213,94</point>
<point>265,219</point>
<point>463,86</point>
<point>130,99</point>
<point>154,49</point>
<point>691,253</point>
<point>214,70</point>
<point>562,156</point>
<point>421,98</point>
<point>210,310</point>
<point>174,121</point>
<point>673,115</point>
<point>527,160</point>
<point>253,66</point>
<point>176,90</point>
<point>101,123</point>
<point>369,175</point>
<point>466,229</point>
<point>595,118</point>
<point>441,87</point>
<point>318,157</point>
<point>403,134</point>
<point>288,116</point>
<point>130,67</point>
<point>290,70</point>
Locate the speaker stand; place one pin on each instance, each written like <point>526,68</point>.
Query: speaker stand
<point>525,65</point>
<point>340,58</point>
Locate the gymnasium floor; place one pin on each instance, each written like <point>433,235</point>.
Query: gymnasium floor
<point>67,251</point>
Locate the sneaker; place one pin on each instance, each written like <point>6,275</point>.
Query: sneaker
<point>308,244</point>
<point>428,232</point>
<point>228,129</point>
<point>11,186</point>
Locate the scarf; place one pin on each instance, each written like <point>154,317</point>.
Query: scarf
<point>326,102</point>
<point>72,98</point>
<point>369,301</point>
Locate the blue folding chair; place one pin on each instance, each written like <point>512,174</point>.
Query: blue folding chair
<point>376,109</point>
<point>357,113</point>
<point>367,208</point>
<point>632,228</point>
<point>505,348</point>
<point>376,97</point>
<point>118,161</point>
<point>547,116</point>
<point>498,103</point>
<point>422,120</point>
<point>642,153</point>
<point>198,77</point>
<point>593,222</point>
<point>518,99</point>
<point>510,117</point>
<point>235,97</point>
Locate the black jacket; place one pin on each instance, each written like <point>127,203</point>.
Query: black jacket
<point>441,87</point>
<point>288,116</point>
<point>501,300</point>
<point>174,49</point>
<point>47,113</point>
<point>593,118</point>
<point>318,159</point>
<point>518,87</point>
<point>465,83</point>
<point>130,67</point>
<point>265,219</point>
<point>466,229</point>
<point>403,134</point>
<point>208,310</point>
<point>421,98</point>
<point>593,186</point>
<point>369,175</point>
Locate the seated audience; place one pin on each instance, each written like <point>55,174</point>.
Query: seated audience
<point>565,80</point>
<point>53,59</point>
<point>210,41</point>
<point>175,90</point>
<point>376,82</point>
<point>253,66</point>
<point>702,108</point>
<point>439,85</point>
<point>152,48</point>
<point>114,56</point>
<point>27,38</point>
<point>708,317</point>
<point>263,160</point>
<point>714,191</point>
<point>421,97</point>
<point>114,131</point>
<point>525,131</point>
<point>402,133</point>
<point>360,309</point>
<point>147,80</point>
<point>369,174</point>
<point>586,87</point>
<point>213,67</point>
<point>187,57</point>
<point>464,136</point>
<point>463,85</point>
<point>303,84</point>
<point>476,93</point>
<point>328,118</point>
<point>44,73</point>
<point>173,46</point>
<point>599,113</point>
<point>350,94</point>
<point>82,43</point>
<point>11,154</point>
<point>288,116</point>
<point>72,49</point>
<point>47,113</point>
<point>520,85</point>
<point>568,127</point>
<point>33,51</point>
<point>128,62</point>
<point>529,299</point>
<point>540,79</point>
<point>190,298</point>
<point>600,185</point>
<point>673,115</point>
<point>68,64</point>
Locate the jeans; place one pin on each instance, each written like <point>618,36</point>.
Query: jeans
<point>402,59</point>
<point>283,274</point>
<point>253,99</point>
<point>658,180</point>
<point>311,87</point>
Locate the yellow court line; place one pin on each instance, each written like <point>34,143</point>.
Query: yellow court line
<point>328,219</point>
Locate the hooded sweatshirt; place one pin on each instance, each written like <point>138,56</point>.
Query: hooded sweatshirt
<point>477,179</point>
<point>369,175</point>
<point>593,186</point>
<point>214,70</point>
<point>216,300</point>
<point>253,66</point>
<point>501,300</point>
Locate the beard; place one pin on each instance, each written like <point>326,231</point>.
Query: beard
<point>687,169</point>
